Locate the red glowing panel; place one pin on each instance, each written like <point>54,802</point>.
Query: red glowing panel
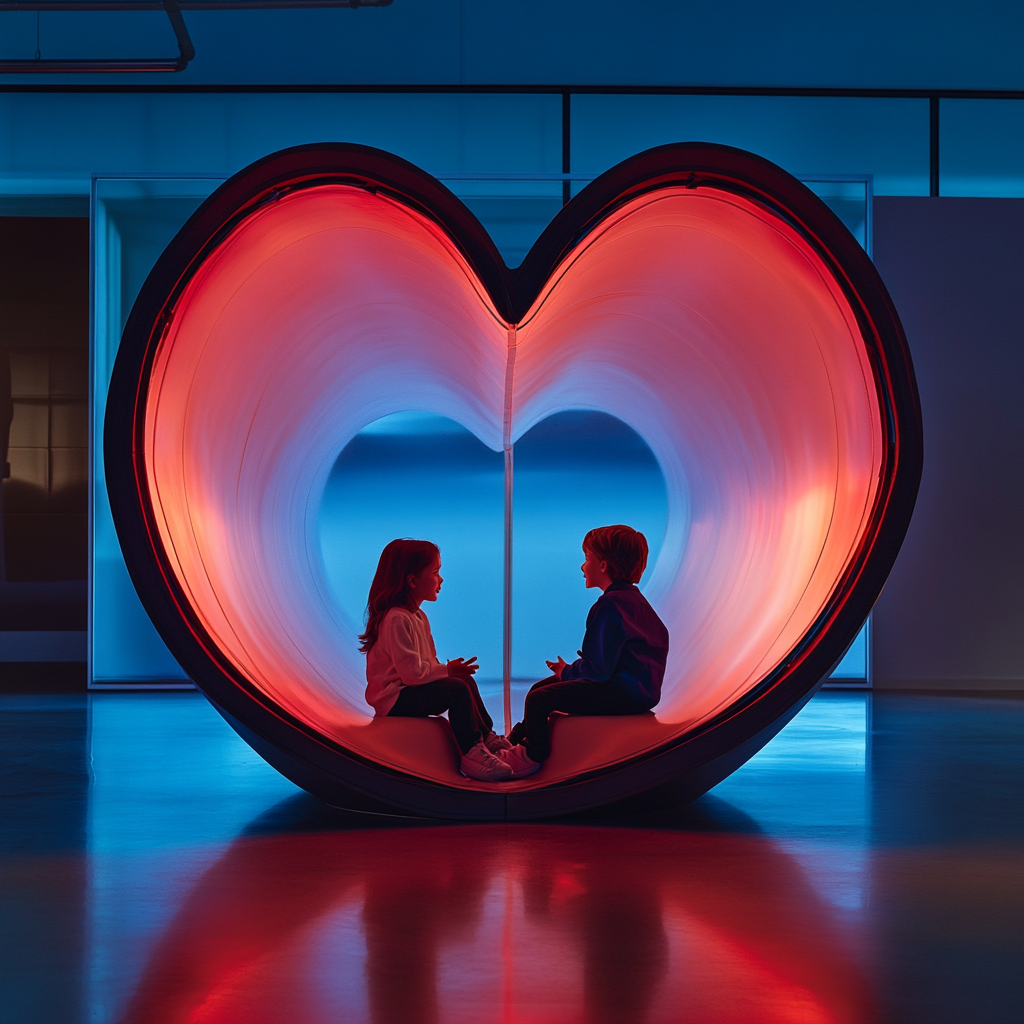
<point>319,314</point>
<point>701,320</point>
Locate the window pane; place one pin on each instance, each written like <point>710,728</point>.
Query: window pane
<point>981,148</point>
<point>854,666</point>
<point>220,134</point>
<point>806,135</point>
<point>134,220</point>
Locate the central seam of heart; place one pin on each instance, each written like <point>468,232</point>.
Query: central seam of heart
<point>506,443</point>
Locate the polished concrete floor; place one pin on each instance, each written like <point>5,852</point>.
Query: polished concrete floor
<point>865,867</point>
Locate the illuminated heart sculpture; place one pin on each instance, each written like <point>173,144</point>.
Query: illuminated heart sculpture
<point>697,292</point>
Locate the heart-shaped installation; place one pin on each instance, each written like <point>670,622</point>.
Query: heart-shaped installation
<point>698,293</point>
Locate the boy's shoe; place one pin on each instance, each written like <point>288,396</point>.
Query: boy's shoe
<point>495,743</point>
<point>480,764</point>
<point>520,762</point>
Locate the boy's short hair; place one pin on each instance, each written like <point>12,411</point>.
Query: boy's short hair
<point>622,547</point>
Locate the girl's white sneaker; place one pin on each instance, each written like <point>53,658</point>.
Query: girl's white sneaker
<point>520,762</point>
<point>480,764</point>
<point>495,743</point>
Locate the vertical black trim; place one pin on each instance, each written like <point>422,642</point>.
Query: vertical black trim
<point>566,143</point>
<point>933,145</point>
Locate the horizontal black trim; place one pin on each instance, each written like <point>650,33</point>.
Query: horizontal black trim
<point>89,66</point>
<point>533,90</point>
<point>88,6</point>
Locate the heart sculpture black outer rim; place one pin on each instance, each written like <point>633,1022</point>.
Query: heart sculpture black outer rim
<point>690,764</point>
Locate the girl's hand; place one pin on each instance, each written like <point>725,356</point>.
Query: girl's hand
<point>557,666</point>
<point>459,669</point>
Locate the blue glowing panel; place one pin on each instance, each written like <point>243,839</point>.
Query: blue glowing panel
<point>573,471</point>
<point>982,148</point>
<point>424,476</point>
<point>855,662</point>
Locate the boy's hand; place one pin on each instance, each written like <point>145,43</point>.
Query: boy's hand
<point>459,669</point>
<point>557,666</point>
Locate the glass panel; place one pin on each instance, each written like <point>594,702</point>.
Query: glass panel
<point>443,134</point>
<point>133,220</point>
<point>850,201</point>
<point>981,148</point>
<point>218,134</point>
<point>854,666</point>
<point>807,136</point>
<point>44,437</point>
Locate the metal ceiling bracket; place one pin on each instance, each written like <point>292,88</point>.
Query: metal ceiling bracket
<point>186,51</point>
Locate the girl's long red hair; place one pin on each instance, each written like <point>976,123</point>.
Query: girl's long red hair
<point>401,559</point>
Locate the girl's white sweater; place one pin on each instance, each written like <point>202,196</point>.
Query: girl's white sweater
<point>403,655</point>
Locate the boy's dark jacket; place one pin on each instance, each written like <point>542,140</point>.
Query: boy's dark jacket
<point>625,643</point>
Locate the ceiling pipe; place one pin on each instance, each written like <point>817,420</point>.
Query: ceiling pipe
<point>173,8</point>
<point>185,5</point>
<point>186,51</point>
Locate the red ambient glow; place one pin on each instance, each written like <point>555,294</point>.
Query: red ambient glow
<point>537,923</point>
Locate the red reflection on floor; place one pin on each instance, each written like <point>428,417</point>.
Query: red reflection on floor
<point>513,923</point>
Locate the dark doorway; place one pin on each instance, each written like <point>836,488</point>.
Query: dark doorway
<point>44,422</point>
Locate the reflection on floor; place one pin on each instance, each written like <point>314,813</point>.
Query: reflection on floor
<point>862,868</point>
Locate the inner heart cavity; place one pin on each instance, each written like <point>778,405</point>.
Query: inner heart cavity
<point>420,475</point>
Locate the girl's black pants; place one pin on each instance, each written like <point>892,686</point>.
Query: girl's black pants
<point>459,697</point>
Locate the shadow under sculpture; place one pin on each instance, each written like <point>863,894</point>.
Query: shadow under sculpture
<point>697,292</point>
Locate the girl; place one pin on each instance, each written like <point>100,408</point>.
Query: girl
<point>622,663</point>
<point>404,677</point>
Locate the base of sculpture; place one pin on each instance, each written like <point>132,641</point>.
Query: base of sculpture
<point>654,779</point>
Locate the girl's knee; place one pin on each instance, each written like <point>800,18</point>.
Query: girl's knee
<point>458,690</point>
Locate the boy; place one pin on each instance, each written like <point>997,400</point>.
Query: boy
<point>622,663</point>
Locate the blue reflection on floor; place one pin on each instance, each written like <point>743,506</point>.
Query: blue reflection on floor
<point>808,788</point>
<point>172,785</point>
